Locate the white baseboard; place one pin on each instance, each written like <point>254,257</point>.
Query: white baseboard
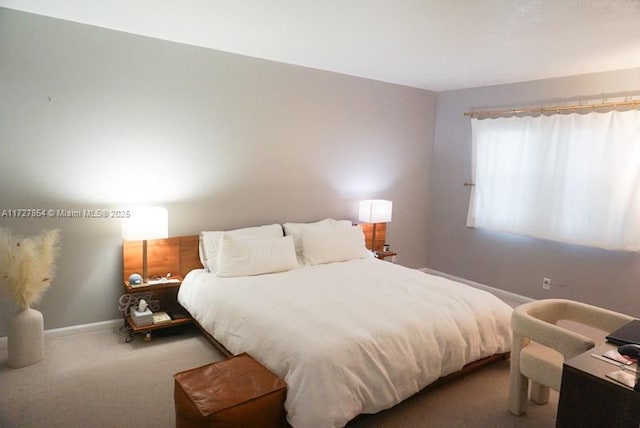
<point>75,329</point>
<point>496,291</point>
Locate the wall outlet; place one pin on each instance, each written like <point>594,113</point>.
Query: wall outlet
<point>546,283</point>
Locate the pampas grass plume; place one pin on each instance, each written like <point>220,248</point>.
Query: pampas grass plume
<point>27,264</point>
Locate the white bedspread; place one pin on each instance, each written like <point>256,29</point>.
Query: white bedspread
<point>352,337</point>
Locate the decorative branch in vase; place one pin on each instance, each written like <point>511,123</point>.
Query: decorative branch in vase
<point>27,267</point>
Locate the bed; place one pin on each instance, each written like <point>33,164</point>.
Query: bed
<point>349,337</point>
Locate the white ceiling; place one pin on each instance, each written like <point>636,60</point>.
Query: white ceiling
<point>430,44</point>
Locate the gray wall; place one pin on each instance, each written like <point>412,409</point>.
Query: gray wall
<point>93,118</point>
<point>515,263</point>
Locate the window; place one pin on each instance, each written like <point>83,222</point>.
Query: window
<point>567,177</point>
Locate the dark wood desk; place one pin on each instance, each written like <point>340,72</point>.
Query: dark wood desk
<point>590,399</point>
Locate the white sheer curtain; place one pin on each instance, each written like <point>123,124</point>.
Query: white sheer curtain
<point>568,177</point>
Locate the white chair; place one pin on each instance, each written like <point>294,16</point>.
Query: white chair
<point>540,346</point>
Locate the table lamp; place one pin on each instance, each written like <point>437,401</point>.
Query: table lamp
<point>146,223</point>
<point>375,211</point>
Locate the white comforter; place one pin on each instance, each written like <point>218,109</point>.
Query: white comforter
<point>352,337</point>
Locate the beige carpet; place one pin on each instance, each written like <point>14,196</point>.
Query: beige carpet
<point>97,380</point>
<point>475,400</point>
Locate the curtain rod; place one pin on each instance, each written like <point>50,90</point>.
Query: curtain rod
<point>550,109</point>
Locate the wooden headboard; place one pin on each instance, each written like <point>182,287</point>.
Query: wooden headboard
<point>180,255</point>
<point>177,256</point>
<point>381,235</point>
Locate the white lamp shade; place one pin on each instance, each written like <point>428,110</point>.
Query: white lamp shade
<point>146,223</point>
<point>375,211</point>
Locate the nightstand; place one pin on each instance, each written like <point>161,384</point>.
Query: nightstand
<point>161,296</point>
<point>178,255</point>
<point>386,255</point>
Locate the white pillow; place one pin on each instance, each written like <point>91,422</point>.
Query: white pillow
<point>298,229</point>
<point>333,245</point>
<point>210,241</point>
<point>243,257</point>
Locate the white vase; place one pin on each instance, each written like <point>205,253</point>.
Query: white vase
<point>26,338</point>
